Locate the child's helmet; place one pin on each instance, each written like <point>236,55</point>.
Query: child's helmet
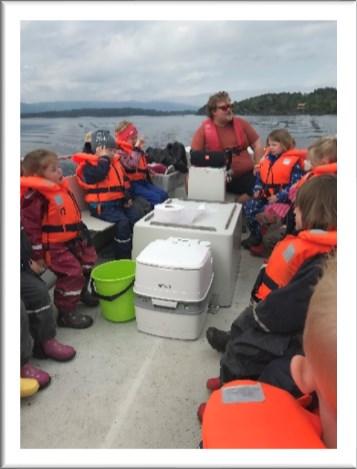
<point>102,138</point>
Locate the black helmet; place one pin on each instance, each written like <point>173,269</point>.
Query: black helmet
<point>102,138</point>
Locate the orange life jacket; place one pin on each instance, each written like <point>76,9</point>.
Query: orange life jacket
<point>141,171</point>
<point>289,255</point>
<point>212,142</point>
<point>62,220</point>
<point>111,188</point>
<point>277,174</point>
<point>251,414</point>
<point>330,168</point>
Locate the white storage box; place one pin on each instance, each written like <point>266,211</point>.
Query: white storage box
<point>207,184</point>
<point>168,182</point>
<point>219,223</point>
<point>173,287</point>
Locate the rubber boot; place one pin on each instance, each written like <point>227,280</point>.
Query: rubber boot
<point>51,348</point>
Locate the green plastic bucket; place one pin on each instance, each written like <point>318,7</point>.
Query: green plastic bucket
<point>112,282</point>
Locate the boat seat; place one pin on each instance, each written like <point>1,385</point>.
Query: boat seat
<point>93,223</point>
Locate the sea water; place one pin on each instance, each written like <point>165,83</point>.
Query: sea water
<point>65,135</point>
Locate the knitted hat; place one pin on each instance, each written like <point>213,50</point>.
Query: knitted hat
<point>127,132</point>
<point>102,138</point>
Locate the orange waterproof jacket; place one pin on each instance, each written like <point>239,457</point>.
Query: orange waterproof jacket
<point>62,221</point>
<point>289,255</point>
<point>111,188</point>
<point>212,142</point>
<point>250,414</point>
<point>278,174</point>
<point>330,168</point>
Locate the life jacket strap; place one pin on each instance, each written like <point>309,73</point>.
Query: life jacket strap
<point>136,170</point>
<point>269,282</point>
<point>102,190</point>
<point>62,228</point>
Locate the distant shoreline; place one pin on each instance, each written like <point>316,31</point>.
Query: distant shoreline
<point>104,113</point>
<point>322,101</point>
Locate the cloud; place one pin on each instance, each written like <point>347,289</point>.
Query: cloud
<point>120,60</point>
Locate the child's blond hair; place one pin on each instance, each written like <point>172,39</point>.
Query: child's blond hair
<point>317,202</point>
<point>325,148</point>
<point>37,161</point>
<point>283,137</point>
<point>122,125</point>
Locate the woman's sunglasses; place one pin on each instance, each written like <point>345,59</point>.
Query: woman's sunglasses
<point>224,107</point>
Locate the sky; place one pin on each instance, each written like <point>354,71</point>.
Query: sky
<point>182,61</point>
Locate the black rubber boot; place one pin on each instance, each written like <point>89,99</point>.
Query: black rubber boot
<point>74,320</point>
<point>253,240</point>
<point>217,339</point>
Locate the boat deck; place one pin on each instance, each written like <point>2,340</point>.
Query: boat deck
<point>127,389</point>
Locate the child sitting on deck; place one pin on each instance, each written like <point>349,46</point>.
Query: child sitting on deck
<point>107,189</point>
<point>280,167</point>
<point>38,325</point>
<point>133,158</point>
<point>269,327</point>
<point>52,220</point>
<point>278,420</point>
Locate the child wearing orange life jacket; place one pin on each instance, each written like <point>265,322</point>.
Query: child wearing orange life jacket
<point>322,157</point>
<point>107,189</point>
<point>251,414</point>
<point>269,328</point>
<point>52,220</point>
<point>133,158</point>
<point>280,167</point>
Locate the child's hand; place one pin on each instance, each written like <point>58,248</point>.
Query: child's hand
<point>38,266</point>
<point>139,142</point>
<point>272,199</point>
<point>128,203</point>
<point>104,151</point>
<point>229,176</point>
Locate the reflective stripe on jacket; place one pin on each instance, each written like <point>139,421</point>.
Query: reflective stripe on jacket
<point>278,173</point>
<point>212,142</point>
<point>251,414</point>
<point>62,220</point>
<point>289,255</point>
<point>111,188</point>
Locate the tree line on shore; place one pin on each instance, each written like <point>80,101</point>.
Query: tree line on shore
<point>320,101</point>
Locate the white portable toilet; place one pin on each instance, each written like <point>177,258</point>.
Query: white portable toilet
<point>172,287</point>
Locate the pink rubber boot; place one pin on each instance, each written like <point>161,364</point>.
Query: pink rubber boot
<point>29,371</point>
<point>51,348</point>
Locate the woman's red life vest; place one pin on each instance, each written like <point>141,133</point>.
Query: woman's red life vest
<point>251,414</point>
<point>212,142</point>
<point>277,174</point>
<point>111,188</point>
<point>62,220</point>
<point>330,168</point>
<point>289,255</point>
